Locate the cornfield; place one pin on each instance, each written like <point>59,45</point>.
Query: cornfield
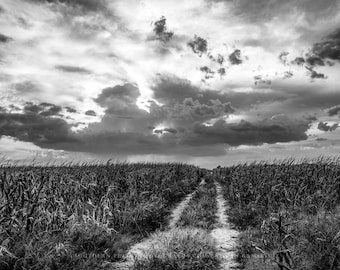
<point>73,213</point>
<point>289,212</point>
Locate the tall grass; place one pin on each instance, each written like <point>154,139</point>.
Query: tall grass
<point>73,216</point>
<point>289,212</point>
<point>201,210</point>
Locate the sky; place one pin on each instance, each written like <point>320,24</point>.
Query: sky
<point>207,82</point>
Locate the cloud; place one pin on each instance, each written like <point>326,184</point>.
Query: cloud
<point>247,133</point>
<point>325,127</point>
<point>27,87</point>
<point>164,130</point>
<point>176,127</point>
<point>283,57</point>
<point>208,73</point>
<point>329,48</point>
<point>86,5</point>
<point>316,75</point>
<point>171,90</point>
<point>133,50</point>
<point>90,113</point>
<point>192,110</point>
<point>314,60</point>
<point>261,10</point>
<point>73,69</point>
<point>258,79</point>
<point>43,109</point>
<point>333,110</point>
<point>198,45</point>
<point>235,57</point>
<point>298,61</point>
<point>321,54</point>
<point>70,110</point>
<point>160,30</point>
<point>120,100</point>
<point>4,38</point>
<point>38,129</point>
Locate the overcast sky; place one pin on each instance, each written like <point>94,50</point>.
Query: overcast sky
<point>209,82</point>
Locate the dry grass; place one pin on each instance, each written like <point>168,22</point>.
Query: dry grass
<point>201,210</point>
<point>180,248</point>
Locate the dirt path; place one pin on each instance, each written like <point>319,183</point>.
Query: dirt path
<point>139,250</point>
<point>224,236</point>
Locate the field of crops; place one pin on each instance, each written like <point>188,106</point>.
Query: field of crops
<point>289,213</point>
<point>91,216</point>
<point>78,216</point>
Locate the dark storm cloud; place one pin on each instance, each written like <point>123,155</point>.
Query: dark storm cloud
<point>235,57</point>
<point>31,127</point>
<point>193,110</point>
<point>4,38</point>
<point>87,5</point>
<point>301,100</point>
<point>264,10</point>
<point>244,132</point>
<point>325,127</point>
<point>171,90</point>
<point>127,93</point>
<point>90,113</point>
<point>322,53</point>
<point>333,110</point>
<point>122,113</point>
<point>70,110</point>
<point>126,129</point>
<point>120,100</point>
<point>160,30</point>
<point>330,47</point>
<point>299,61</point>
<point>73,69</point>
<point>316,75</point>
<point>310,62</point>
<point>43,109</point>
<point>314,60</point>
<point>198,45</point>
<point>208,73</point>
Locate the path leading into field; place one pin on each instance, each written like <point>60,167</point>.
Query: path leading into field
<point>139,250</point>
<point>177,212</point>
<point>225,237</point>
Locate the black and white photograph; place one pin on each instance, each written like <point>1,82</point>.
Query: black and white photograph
<point>164,134</point>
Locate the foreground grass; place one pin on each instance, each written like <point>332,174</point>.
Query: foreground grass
<point>289,214</point>
<point>180,248</point>
<point>201,210</point>
<point>77,216</point>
